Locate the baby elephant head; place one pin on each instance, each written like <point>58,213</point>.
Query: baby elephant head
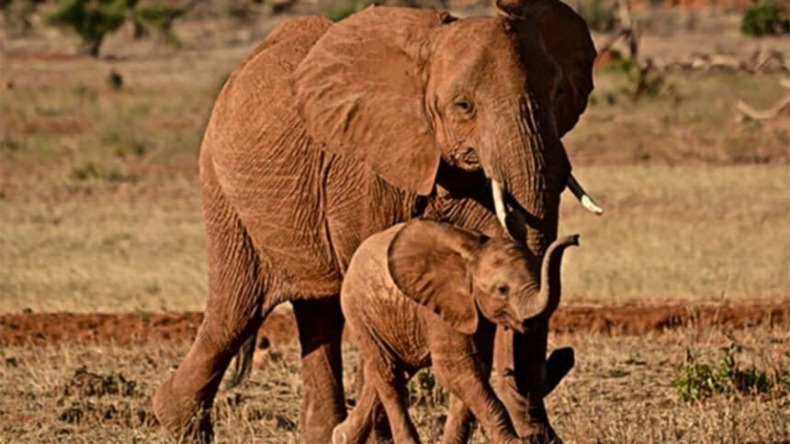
<point>456,272</point>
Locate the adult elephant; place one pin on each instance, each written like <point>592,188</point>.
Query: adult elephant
<point>328,133</point>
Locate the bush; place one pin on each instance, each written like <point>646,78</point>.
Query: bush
<point>698,381</point>
<point>424,391</point>
<point>159,17</point>
<point>92,20</point>
<point>765,17</point>
<point>340,10</point>
<point>599,14</point>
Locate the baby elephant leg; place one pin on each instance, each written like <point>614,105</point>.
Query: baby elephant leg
<point>391,389</point>
<point>464,380</point>
<point>358,425</point>
<point>459,422</point>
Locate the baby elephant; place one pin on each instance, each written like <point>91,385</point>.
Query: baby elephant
<point>428,292</point>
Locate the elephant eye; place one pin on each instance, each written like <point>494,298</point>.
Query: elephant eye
<point>503,290</point>
<point>464,105</point>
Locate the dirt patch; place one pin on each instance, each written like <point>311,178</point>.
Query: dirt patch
<point>639,320</point>
<point>280,327</point>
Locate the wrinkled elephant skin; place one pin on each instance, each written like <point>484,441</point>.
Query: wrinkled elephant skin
<point>330,132</point>
<point>463,284</point>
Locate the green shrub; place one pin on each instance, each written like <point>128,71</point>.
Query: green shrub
<point>599,14</point>
<point>698,380</point>
<point>424,391</point>
<point>340,10</point>
<point>159,17</point>
<point>765,17</point>
<point>92,20</point>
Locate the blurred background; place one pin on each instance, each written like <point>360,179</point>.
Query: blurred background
<point>677,302</point>
<point>686,143</point>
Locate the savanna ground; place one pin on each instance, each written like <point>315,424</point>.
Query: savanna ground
<point>100,213</point>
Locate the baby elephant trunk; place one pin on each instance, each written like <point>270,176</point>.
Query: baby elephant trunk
<point>548,297</point>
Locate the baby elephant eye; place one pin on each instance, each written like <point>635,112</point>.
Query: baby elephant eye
<point>503,290</point>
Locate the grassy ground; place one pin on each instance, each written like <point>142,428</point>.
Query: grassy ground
<point>670,234</point>
<point>99,211</point>
<point>621,391</point>
<point>100,205</point>
<point>681,233</point>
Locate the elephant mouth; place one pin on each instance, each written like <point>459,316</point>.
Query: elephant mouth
<point>502,210</point>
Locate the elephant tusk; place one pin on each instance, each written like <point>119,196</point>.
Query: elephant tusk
<point>585,199</point>
<point>498,194</point>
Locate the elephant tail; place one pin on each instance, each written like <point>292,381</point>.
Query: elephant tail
<point>243,363</point>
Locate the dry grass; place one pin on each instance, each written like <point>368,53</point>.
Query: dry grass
<point>101,209</point>
<point>691,120</point>
<point>619,392</point>
<point>128,249</point>
<point>692,234</point>
<point>669,234</point>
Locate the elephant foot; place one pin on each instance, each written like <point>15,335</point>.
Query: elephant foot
<point>181,416</point>
<point>339,434</point>
<point>540,434</point>
<point>347,433</point>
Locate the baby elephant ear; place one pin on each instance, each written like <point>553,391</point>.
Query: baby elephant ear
<point>428,262</point>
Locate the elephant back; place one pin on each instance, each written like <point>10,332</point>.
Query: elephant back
<point>264,160</point>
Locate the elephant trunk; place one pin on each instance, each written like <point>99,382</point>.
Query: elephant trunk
<point>548,297</point>
<point>533,174</point>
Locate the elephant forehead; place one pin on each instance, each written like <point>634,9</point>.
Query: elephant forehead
<point>477,47</point>
<point>504,261</point>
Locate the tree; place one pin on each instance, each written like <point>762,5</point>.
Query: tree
<point>92,20</point>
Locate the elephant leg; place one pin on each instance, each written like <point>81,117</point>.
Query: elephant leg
<point>320,325</point>
<point>379,429</point>
<point>234,312</point>
<point>357,427</point>
<point>391,389</point>
<point>521,363</point>
<point>459,416</point>
<point>468,383</point>
<point>459,422</point>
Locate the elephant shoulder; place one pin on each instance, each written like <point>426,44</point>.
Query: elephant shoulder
<point>372,252</point>
<point>368,273</point>
<point>254,111</point>
<point>265,72</point>
<point>292,39</point>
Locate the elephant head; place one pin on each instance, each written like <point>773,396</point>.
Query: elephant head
<point>402,89</point>
<point>457,273</point>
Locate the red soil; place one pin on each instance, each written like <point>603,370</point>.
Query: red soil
<point>280,328</point>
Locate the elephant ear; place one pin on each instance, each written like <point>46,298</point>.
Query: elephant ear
<point>360,93</point>
<point>428,261</point>
<point>567,39</point>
